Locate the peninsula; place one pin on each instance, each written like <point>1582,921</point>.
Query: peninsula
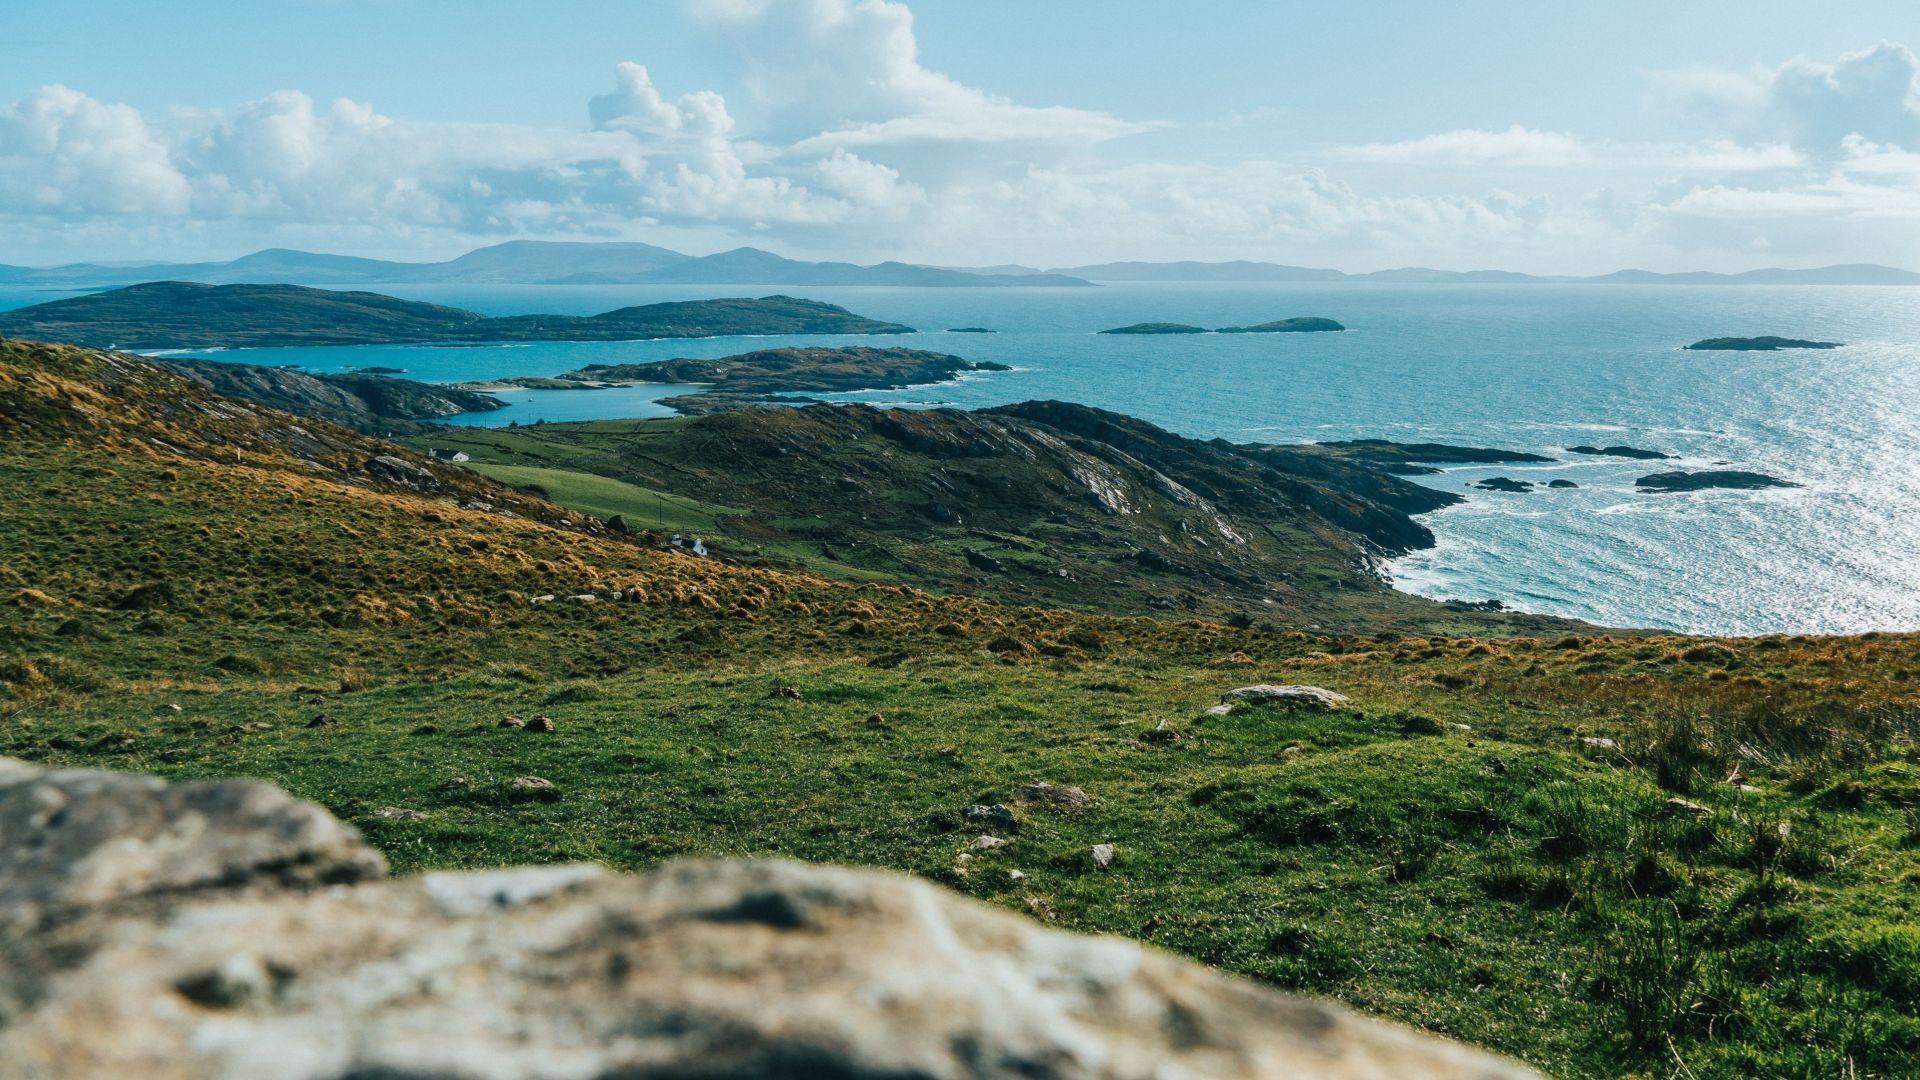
<point>185,315</point>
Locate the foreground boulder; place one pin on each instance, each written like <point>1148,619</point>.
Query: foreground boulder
<point>1292,697</point>
<point>115,965</point>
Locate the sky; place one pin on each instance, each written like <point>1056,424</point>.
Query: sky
<point>1550,138</point>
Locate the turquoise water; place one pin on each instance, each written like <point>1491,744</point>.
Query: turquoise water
<point>1536,367</point>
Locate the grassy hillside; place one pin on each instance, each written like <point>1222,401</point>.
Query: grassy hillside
<point>1483,843</point>
<point>1043,502</point>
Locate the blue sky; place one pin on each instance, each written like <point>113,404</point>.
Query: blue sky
<point>1531,136</point>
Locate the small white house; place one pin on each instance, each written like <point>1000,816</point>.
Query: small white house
<point>448,455</point>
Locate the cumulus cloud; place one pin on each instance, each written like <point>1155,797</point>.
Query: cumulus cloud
<point>847,73</point>
<point>1814,105</point>
<point>63,153</point>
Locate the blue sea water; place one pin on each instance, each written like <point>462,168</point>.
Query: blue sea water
<point>1529,367</point>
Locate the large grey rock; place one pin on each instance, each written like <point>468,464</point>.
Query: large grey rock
<point>701,969</point>
<point>1297,697</point>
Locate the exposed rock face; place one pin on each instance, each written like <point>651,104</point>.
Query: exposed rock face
<point>181,948</point>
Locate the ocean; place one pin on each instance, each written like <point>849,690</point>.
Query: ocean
<point>1525,367</point>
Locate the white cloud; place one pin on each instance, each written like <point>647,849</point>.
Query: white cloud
<point>1521,147</point>
<point>847,73</point>
<point>62,153</point>
<point>1813,105</point>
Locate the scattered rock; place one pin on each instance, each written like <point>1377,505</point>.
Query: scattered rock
<point>1016,875</point>
<point>399,813</point>
<point>1057,796</point>
<point>1684,807</point>
<point>995,815</point>
<point>987,843</point>
<point>323,720</point>
<point>1598,742</point>
<point>454,783</point>
<point>789,692</point>
<point>1293,697</point>
<point>405,473</point>
<point>540,724</point>
<point>1102,855</point>
<point>1562,484</point>
<point>532,783</point>
<point>1220,710</point>
<point>1505,483</point>
<point>980,560</point>
<point>1163,732</point>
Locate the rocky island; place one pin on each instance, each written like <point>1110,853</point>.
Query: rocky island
<point>185,315</point>
<point>1760,344</point>
<point>1415,459</point>
<point>751,378</point>
<point>1621,452</point>
<point>1668,482</point>
<point>1303,325</point>
<point>1157,328</point>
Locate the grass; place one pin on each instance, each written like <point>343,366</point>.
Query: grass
<point>604,497</point>
<point>1483,845</point>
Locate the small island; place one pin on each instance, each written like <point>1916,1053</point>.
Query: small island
<point>1304,325</point>
<point>1760,344</point>
<point>971,330</point>
<point>1621,452</point>
<point>1736,479</point>
<point>1157,328</point>
<point>1505,483</point>
<point>1419,459</point>
<point>757,378</point>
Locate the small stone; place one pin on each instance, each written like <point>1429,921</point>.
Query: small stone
<point>1016,875</point>
<point>170,708</point>
<point>875,720</point>
<point>1292,697</point>
<point>1219,710</point>
<point>399,813</point>
<point>1460,727</point>
<point>323,720</point>
<point>791,693</point>
<point>542,724</point>
<point>1678,806</point>
<point>987,843</point>
<point>532,783</point>
<point>1058,796</point>
<point>511,721</point>
<point>1163,733</point>
<point>454,783</point>
<point>1102,855</point>
<point>996,814</point>
<point>235,982</point>
<point>1594,742</point>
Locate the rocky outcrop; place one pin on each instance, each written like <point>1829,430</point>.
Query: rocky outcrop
<point>1505,483</point>
<point>1621,452</point>
<point>224,930</point>
<point>1156,328</point>
<point>363,401</point>
<point>1709,478</point>
<point>1305,324</point>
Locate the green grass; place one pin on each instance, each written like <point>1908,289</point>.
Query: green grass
<point>1505,884</point>
<point>604,497</point>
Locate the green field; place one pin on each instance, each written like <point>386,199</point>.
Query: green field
<point>605,498</point>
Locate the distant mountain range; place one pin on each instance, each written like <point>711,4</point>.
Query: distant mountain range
<point>526,262</point>
<point>1852,274</point>
<point>533,262</point>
